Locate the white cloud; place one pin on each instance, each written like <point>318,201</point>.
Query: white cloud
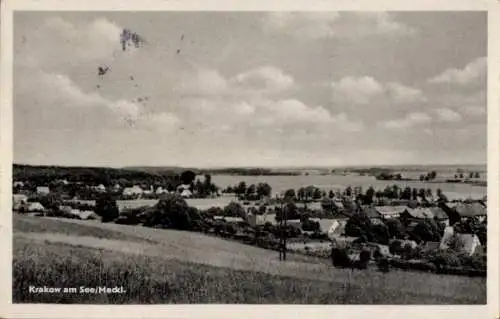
<point>205,81</point>
<point>58,41</point>
<point>475,71</point>
<point>474,110</point>
<point>334,24</point>
<point>410,120</point>
<point>448,115</point>
<point>266,78</point>
<point>404,94</point>
<point>362,90</point>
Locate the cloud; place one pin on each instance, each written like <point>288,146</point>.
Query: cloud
<point>474,71</point>
<point>362,90</point>
<point>266,78</point>
<point>205,81</point>
<point>260,80</point>
<point>52,92</point>
<point>316,25</point>
<point>410,120</point>
<point>448,115</point>
<point>404,94</point>
<point>58,41</point>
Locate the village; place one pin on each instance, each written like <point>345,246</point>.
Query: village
<point>412,229</point>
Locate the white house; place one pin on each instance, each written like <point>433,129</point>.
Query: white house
<point>131,191</point>
<point>34,207</point>
<point>18,200</point>
<point>42,190</point>
<point>186,193</point>
<point>160,190</point>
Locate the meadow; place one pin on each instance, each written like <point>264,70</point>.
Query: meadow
<point>168,266</point>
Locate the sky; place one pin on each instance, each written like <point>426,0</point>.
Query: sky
<point>219,89</point>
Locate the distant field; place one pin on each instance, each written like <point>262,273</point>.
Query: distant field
<point>183,267</point>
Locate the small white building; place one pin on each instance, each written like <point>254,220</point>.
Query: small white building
<point>42,190</point>
<point>34,207</point>
<point>132,191</point>
<point>18,200</point>
<point>186,193</point>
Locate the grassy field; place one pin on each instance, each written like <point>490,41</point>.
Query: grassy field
<point>166,266</point>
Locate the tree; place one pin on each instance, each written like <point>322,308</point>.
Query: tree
<point>348,191</point>
<point>428,193</point>
<point>290,193</point>
<point>234,209</point>
<point>406,193</point>
<point>187,177</point>
<point>331,195</point>
<point>107,208</point>
<point>370,193</point>
<point>241,188</point>
<point>251,190</point>
<point>359,225</point>
<point>263,190</point>
<point>395,228</point>
<point>171,211</point>
<point>432,175</point>
<point>316,193</point>
<point>414,193</point>
<point>477,175</point>
<point>471,175</point>
<point>422,177</point>
<point>301,194</point>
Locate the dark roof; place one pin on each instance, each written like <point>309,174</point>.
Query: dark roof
<point>371,212</point>
<point>438,213</point>
<point>470,209</point>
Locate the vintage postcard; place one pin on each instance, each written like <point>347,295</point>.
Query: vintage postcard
<point>231,158</point>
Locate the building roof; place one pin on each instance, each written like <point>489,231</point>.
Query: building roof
<point>420,212</point>
<point>42,189</point>
<point>371,212</point>
<point>390,210</point>
<point>35,207</point>
<point>470,209</point>
<point>438,213</point>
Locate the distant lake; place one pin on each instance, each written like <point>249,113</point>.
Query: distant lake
<point>327,182</point>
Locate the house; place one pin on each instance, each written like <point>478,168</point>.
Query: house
<point>18,200</point>
<point>343,242</point>
<point>160,190</point>
<point>42,190</point>
<point>186,193</point>
<point>462,211</point>
<point>336,229</point>
<point>373,215</point>
<point>132,191</point>
<point>468,243</point>
<point>100,188</point>
<point>18,184</point>
<point>388,212</point>
<point>419,213</point>
<point>34,207</point>
<point>229,219</point>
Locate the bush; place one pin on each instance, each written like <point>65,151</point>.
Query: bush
<point>106,208</point>
<point>445,259</point>
<point>340,258</point>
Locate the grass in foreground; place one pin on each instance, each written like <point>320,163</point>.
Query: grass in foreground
<point>52,225</point>
<point>153,279</point>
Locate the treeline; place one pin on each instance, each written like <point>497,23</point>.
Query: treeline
<point>251,172</point>
<point>44,175</point>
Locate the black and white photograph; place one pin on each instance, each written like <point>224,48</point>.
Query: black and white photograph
<point>250,157</point>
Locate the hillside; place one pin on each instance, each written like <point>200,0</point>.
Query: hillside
<point>164,266</point>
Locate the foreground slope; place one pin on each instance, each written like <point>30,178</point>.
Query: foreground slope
<point>167,266</point>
